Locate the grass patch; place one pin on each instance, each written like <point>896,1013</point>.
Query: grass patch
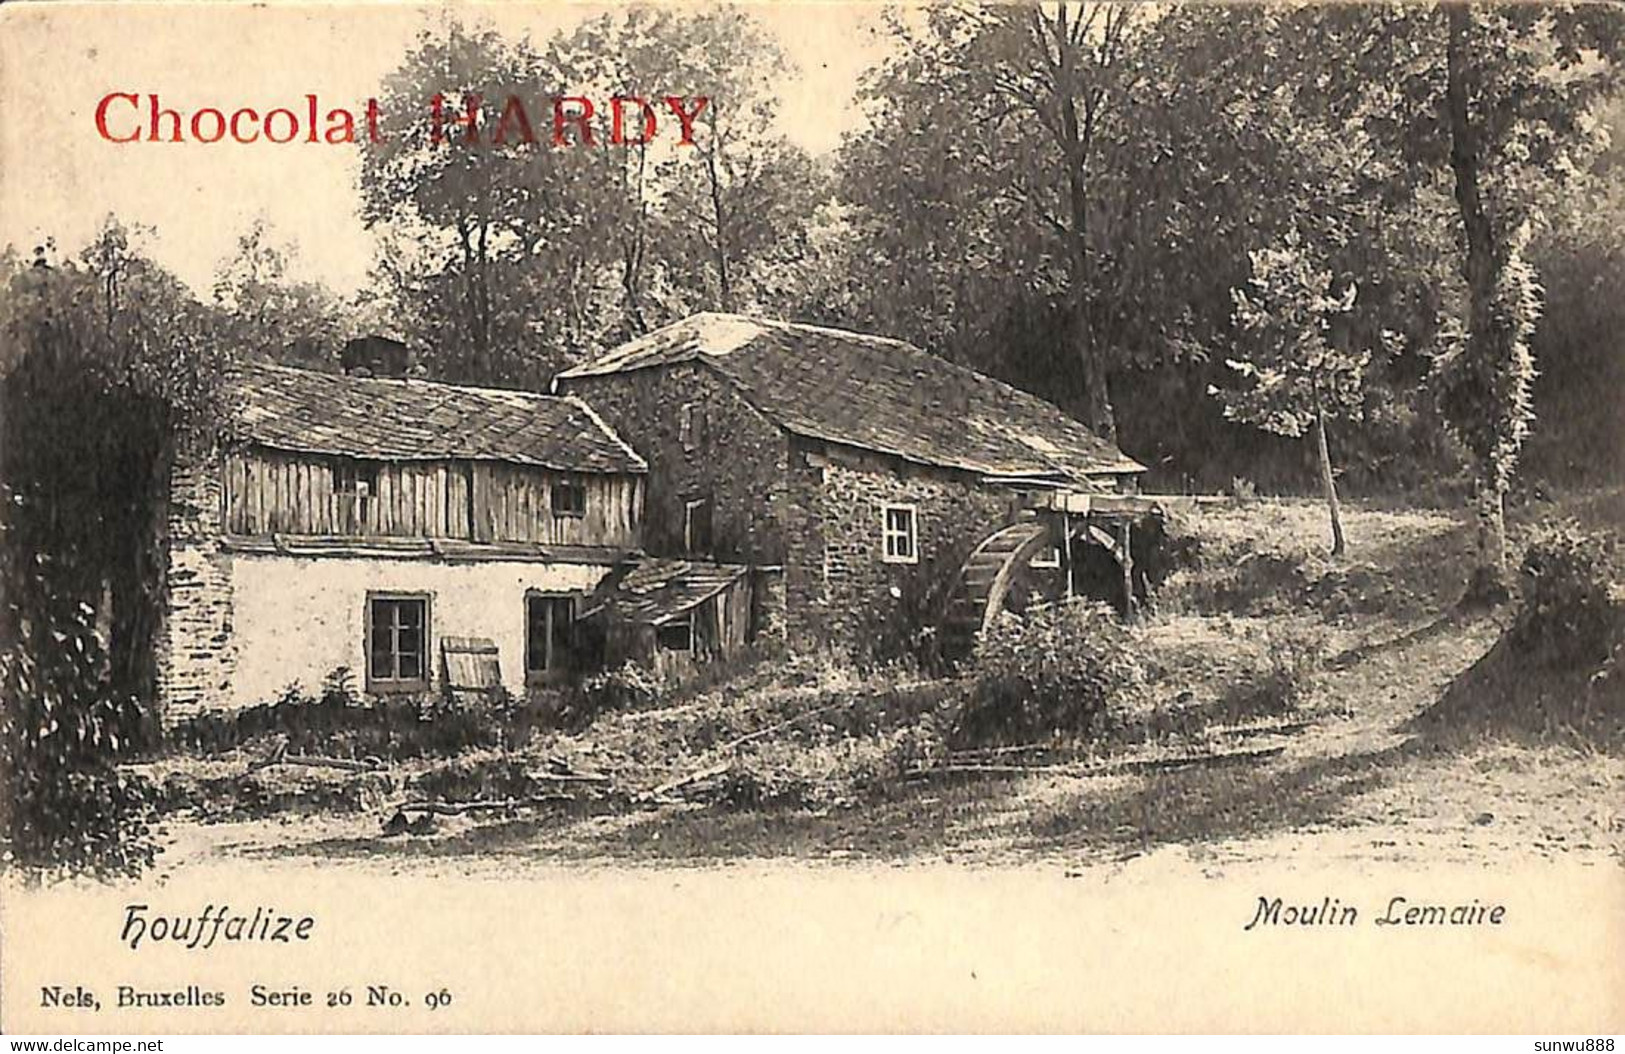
<point>1269,558</point>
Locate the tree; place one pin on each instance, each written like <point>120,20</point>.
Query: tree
<point>1580,256</point>
<point>740,200</point>
<point>509,261</point>
<point>115,370</point>
<point>1292,314</point>
<point>1221,129</point>
<point>269,315</point>
<point>491,253</point>
<point>991,169</point>
<point>1498,97</point>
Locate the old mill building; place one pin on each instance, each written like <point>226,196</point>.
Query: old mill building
<point>715,481</point>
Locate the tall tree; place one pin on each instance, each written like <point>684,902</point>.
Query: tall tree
<point>1296,375</point>
<point>1029,102</point>
<point>497,262</point>
<point>270,314</point>
<point>741,198</point>
<point>1492,101</point>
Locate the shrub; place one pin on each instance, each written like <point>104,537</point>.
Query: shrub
<point>904,626</point>
<point>1283,678</point>
<point>486,776</point>
<point>1566,614</point>
<point>1059,671</point>
<point>340,725</point>
<point>837,770</point>
<point>626,687</point>
<point>70,810</point>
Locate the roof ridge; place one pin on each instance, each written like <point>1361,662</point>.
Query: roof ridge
<point>473,389</point>
<point>836,331</point>
<point>603,426</point>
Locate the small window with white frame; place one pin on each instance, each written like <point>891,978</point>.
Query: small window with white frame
<point>899,534</point>
<point>1049,557</point>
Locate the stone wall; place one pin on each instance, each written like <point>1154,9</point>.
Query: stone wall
<point>735,457</point>
<point>857,588</point>
<point>196,649</point>
<point>812,508</point>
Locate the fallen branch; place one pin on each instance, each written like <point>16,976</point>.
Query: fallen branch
<point>1025,748</point>
<point>1268,728</point>
<point>683,781</point>
<point>280,756</point>
<point>1109,768</point>
<point>568,777</point>
<point>442,808</point>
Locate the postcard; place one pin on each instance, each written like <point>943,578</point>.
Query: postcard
<point>812,517</point>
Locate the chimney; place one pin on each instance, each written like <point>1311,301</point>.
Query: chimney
<point>375,356</point>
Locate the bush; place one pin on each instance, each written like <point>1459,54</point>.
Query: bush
<point>905,625</point>
<point>627,687</point>
<point>1202,672</point>
<point>339,725</point>
<point>1567,614</point>
<point>486,776</point>
<point>836,771</point>
<point>70,810</point>
<point>1282,680</point>
<point>1060,671</point>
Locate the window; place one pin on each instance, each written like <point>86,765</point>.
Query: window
<point>898,533</point>
<point>549,635</point>
<point>397,642</point>
<point>569,497</point>
<point>1050,557</point>
<point>697,526</point>
<point>355,483</point>
<point>691,426</point>
<point>676,635</point>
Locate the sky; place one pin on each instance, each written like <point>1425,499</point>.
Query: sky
<point>59,178</point>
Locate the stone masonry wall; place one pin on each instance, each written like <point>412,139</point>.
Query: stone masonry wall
<point>196,653</point>
<point>736,458</point>
<point>848,491</point>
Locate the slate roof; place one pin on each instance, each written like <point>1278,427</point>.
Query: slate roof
<point>657,590</point>
<point>877,394</point>
<point>412,420</point>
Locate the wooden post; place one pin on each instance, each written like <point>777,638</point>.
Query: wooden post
<point>1128,569</point>
<point>1066,556</point>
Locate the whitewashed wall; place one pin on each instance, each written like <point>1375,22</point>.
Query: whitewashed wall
<point>296,618</point>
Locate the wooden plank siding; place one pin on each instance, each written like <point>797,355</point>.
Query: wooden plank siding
<point>272,492</point>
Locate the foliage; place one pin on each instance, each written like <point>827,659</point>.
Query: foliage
<point>1567,615</point>
<point>1203,671</point>
<point>1293,368</point>
<point>477,776</point>
<point>1580,256</point>
<point>1502,96</point>
<point>112,372</point>
<point>626,687</point>
<point>507,262</point>
<point>337,724</point>
<point>69,809</point>
<point>267,314</point>
<point>1059,671</point>
<point>832,772</point>
<point>906,625</point>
